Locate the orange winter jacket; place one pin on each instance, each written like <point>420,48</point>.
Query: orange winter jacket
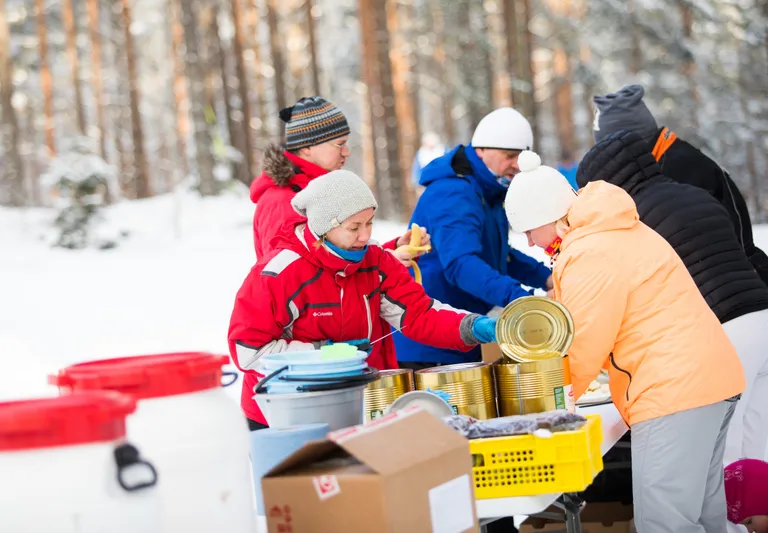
<point>635,306</point>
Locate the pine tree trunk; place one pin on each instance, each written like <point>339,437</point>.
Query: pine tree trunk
<point>120,112</point>
<point>511,36</point>
<point>389,182</point>
<point>70,26</point>
<point>30,155</point>
<point>143,189</point>
<point>260,93</point>
<point>313,63</point>
<point>688,66</point>
<point>563,102</point>
<point>275,45</point>
<point>196,79</point>
<point>531,108</point>
<point>219,56</point>
<point>636,54</point>
<point>444,74</point>
<point>12,190</point>
<point>179,84</point>
<point>405,108</point>
<point>246,132</point>
<point>96,73</point>
<point>45,77</point>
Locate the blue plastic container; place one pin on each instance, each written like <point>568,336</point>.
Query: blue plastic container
<point>309,364</point>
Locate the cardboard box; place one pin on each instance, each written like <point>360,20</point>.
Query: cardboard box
<point>404,472</point>
<point>490,352</point>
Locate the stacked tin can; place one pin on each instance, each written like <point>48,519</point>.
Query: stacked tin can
<point>534,335</point>
<point>380,394</point>
<point>468,387</point>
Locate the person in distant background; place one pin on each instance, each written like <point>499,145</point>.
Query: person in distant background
<point>568,167</point>
<point>625,110</point>
<point>471,265</point>
<point>431,149</point>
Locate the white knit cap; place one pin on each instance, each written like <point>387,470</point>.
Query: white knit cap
<point>504,128</point>
<point>329,200</point>
<point>537,196</point>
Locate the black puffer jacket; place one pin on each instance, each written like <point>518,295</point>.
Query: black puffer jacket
<point>694,223</point>
<point>684,163</point>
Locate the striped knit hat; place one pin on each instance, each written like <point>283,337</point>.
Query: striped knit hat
<point>312,121</point>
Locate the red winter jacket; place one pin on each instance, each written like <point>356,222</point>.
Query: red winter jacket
<point>302,294</point>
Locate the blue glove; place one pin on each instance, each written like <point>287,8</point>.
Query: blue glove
<point>484,329</point>
<point>363,345</point>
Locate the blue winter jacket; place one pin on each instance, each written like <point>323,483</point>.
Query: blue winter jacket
<point>471,265</point>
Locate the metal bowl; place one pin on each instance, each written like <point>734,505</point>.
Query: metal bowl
<point>534,328</point>
<point>431,403</point>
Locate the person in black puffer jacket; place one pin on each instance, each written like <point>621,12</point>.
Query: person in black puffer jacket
<point>679,160</point>
<point>700,231</point>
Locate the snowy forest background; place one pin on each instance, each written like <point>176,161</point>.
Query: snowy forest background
<point>155,95</point>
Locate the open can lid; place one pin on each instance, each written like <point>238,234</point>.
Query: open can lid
<point>82,418</point>
<point>145,376</point>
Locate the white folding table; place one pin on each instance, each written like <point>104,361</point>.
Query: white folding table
<point>523,506</point>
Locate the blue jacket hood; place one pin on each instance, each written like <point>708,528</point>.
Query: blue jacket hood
<point>483,179</point>
<point>440,168</point>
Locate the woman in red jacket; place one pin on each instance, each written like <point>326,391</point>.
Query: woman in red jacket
<point>325,281</point>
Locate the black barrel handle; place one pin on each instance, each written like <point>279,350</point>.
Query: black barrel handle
<point>127,456</point>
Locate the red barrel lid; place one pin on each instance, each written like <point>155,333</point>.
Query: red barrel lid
<point>82,418</point>
<point>146,376</point>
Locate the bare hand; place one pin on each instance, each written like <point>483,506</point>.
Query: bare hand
<point>402,255</point>
<point>405,240</point>
<point>551,293</point>
<point>757,524</point>
<point>550,283</point>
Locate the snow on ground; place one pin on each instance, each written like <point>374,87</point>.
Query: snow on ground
<point>169,286</point>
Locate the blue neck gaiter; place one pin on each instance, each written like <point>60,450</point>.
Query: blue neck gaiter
<point>353,256</point>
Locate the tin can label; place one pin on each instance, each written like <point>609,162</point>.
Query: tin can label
<point>375,413</point>
<point>564,398</point>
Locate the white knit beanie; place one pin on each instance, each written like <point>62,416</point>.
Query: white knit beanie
<point>537,196</point>
<point>504,128</point>
<point>331,199</point>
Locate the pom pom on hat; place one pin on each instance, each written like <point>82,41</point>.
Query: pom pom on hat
<point>528,161</point>
<point>537,196</point>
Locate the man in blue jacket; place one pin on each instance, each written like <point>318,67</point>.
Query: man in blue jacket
<point>471,265</point>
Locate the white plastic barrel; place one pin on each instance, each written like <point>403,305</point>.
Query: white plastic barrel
<point>65,467</point>
<point>195,434</point>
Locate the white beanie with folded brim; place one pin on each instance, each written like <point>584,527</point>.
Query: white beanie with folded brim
<point>329,200</point>
<point>504,129</point>
<point>537,196</point>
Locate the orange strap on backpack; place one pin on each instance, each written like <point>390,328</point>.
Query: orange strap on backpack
<point>665,140</point>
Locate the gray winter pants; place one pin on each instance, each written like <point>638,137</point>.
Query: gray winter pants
<point>677,471</point>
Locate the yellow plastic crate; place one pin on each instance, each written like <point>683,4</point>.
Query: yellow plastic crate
<point>525,465</point>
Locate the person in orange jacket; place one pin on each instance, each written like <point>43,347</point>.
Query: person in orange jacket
<point>674,375</point>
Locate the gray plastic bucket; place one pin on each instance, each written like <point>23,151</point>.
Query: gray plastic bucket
<point>337,408</point>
